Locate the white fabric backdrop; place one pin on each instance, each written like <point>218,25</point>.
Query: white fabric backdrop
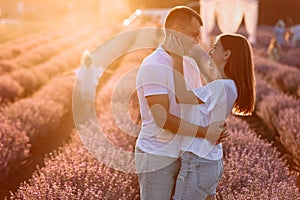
<point>229,14</point>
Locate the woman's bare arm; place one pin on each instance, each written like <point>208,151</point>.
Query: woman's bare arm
<point>182,94</point>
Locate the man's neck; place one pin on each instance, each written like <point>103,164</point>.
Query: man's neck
<point>164,48</point>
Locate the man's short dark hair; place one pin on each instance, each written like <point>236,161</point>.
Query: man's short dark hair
<point>181,14</point>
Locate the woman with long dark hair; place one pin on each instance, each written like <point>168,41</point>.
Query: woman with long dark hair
<point>233,91</point>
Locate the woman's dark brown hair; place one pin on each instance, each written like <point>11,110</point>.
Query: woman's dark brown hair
<point>240,68</point>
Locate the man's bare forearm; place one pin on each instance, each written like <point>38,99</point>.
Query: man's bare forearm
<point>182,127</point>
<point>176,125</point>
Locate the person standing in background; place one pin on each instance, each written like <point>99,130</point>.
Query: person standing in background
<point>274,50</point>
<point>279,32</point>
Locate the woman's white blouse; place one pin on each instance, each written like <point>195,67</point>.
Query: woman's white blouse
<point>219,97</point>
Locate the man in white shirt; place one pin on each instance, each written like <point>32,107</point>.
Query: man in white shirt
<point>157,149</point>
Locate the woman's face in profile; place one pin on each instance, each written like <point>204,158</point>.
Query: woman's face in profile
<point>217,53</point>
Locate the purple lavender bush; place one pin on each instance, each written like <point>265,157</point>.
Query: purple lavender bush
<point>283,77</point>
<point>14,146</point>
<point>72,173</point>
<point>253,169</point>
<point>42,112</point>
<point>10,89</point>
<point>287,124</point>
<point>269,101</point>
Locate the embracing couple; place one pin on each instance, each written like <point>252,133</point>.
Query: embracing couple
<point>179,148</point>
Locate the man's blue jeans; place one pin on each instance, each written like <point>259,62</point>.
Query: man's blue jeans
<point>156,174</point>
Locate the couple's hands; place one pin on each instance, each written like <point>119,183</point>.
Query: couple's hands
<point>181,45</point>
<point>224,135</point>
<point>199,54</point>
<point>205,63</point>
<point>174,46</point>
<point>217,133</point>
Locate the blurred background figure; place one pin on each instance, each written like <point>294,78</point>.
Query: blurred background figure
<point>87,77</point>
<point>294,36</point>
<point>288,33</point>
<point>279,31</point>
<point>274,50</point>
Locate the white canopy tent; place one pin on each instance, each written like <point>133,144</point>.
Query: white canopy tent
<point>229,14</point>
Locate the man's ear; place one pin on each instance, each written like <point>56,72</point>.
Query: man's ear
<point>175,27</point>
<point>227,54</point>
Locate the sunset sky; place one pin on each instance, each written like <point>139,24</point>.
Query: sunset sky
<point>269,10</point>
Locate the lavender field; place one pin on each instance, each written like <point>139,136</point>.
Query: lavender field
<point>42,153</point>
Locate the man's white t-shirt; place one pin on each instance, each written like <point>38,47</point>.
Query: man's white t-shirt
<point>155,77</point>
